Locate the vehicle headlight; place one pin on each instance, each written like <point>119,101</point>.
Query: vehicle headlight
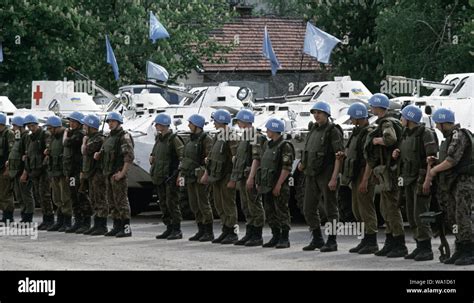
<point>243,93</point>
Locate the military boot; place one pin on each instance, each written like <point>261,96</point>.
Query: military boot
<point>166,233</point>
<point>276,232</point>
<point>115,229</point>
<point>85,226</point>
<point>231,237</point>
<point>331,244</point>
<point>284,241</point>
<point>59,223</point>
<point>176,232</point>
<point>198,234</point>
<point>456,254</point>
<point>125,229</point>
<point>101,228</point>
<point>249,230</point>
<point>399,249</point>
<point>42,224</point>
<point>66,225</point>
<point>256,238</point>
<point>208,233</point>
<point>387,247</point>
<point>413,254</point>
<point>467,256</point>
<point>77,224</point>
<point>27,218</point>
<point>425,253</point>
<point>222,236</point>
<point>94,226</point>
<point>370,246</point>
<point>317,240</point>
<point>359,246</point>
<point>7,216</point>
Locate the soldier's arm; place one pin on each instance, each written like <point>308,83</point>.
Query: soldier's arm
<point>286,161</point>
<point>429,142</point>
<point>179,148</point>
<point>127,153</point>
<point>256,154</point>
<point>337,146</point>
<point>455,152</point>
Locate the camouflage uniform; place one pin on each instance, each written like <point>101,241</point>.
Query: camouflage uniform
<point>81,203</point>
<point>455,186</point>
<point>276,156</point>
<point>36,168</point>
<point>417,144</point>
<point>116,150</point>
<point>167,153</point>
<point>23,190</point>
<point>7,139</point>
<point>220,168</point>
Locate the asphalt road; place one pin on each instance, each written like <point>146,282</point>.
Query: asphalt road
<point>60,251</point>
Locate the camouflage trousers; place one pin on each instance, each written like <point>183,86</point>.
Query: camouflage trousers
<point>457,205</point>
<point>224,201</point>
<point>81,204</point>
<point>199,202</point>
<point>62,195</point>
<point>117,198</point>
<point>97,195</point>
<point>42,192</point>
<point>169,202</point>
<point>276,208</point>
<point>6,193</point>
<point>391,213</point>
<point>251,203</point>
<point>416,204</point>
<point>24,195</point>
<point>363,206</point>
<point>316,190</point>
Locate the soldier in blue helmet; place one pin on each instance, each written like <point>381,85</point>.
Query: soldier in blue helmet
<point>353,170</point>
<point>117,156</point>
<point>418,143</point>
<point>455,172</point>
<point>218,172</point>
<point>321,169</point>
<point>378,152</point>
<point>276,161</point>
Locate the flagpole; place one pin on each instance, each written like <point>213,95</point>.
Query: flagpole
<point>301,68</point>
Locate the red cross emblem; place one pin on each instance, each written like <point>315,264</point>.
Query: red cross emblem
<point>37,95</point>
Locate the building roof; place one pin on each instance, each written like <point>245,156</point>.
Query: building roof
<point>287,36</point>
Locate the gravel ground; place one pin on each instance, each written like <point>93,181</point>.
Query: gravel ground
<point>60,251</point>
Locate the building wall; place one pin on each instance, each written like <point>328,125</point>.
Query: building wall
<point>266,85</point>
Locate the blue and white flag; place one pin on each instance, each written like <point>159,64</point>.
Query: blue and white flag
<point>111,57</point>
<point>155,71</point>
<point>1,52</point>
<point>269,53</point>
<point>157,30</point>
<point>318,43</point>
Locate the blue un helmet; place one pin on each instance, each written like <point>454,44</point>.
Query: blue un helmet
<point>222,116</point>
<point>91,121</point>
<point>114,116</point>
<point>245,115</point>
<point>76,116</point>
<point>443,115</point>
<point>412,113</point>
<point>321,106</point>
<point>3,119</point>
<point>275,125</point>
<point>197,120</point>
<point>30,119</point>
<point>53,121</point>
<point>379,100</point>
<point>357,111</point>
<point>18,121</point>
<point>163,119</point>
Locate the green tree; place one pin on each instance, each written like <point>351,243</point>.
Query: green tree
<point>72,33</point>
